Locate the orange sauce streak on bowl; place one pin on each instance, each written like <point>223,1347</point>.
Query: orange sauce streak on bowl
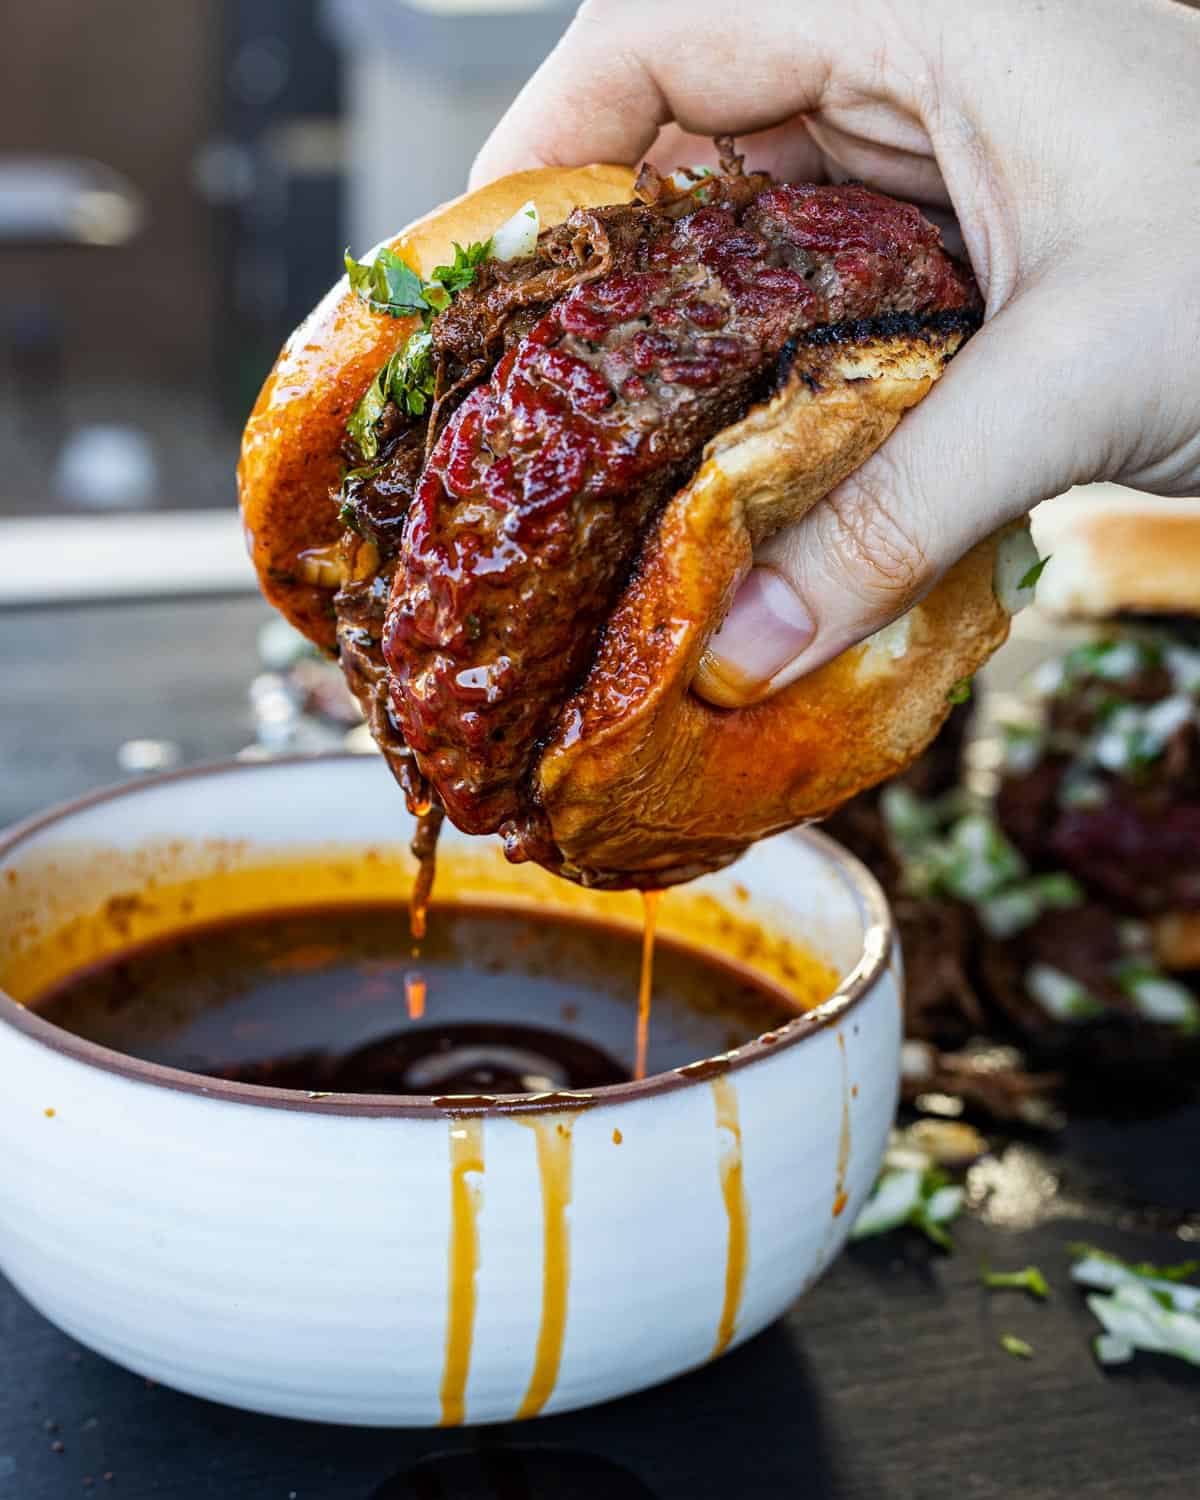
<point>733,1191</point>
<point>555,1160</point>
<point>843,1159</point>
<point>466,1157</point>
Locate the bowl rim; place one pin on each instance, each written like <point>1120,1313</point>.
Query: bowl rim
<point>878,945</point>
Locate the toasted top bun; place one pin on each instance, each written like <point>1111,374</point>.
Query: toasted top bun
<point>644,784</point>
<point>1115,551</point>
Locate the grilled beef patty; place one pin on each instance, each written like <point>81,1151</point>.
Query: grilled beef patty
<point>577,389</point>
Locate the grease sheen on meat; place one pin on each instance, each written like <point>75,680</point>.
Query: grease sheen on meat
<point>529,514</point>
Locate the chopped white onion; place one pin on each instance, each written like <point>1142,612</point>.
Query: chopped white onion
<point>894,1199</point>
<point>908,819</point>
<point>916,1060</point>
<point>981,859</point>
<point>1023,745</point>
<point>1009,912</point>
<point>1059,994</point>
<point>1111,1350</point>
<point>1117,746</point>
<point>1134,1314</point>
<point>945,1204</point>
<point>1105,1274</point>
<point>1049,679</point>
<point>1015,556</point>
<point>892,640</point>
<point>1183,663</point>
<point>518,236</point>
<point>903,1157</point>
<point>1161,722</point>
<point>688,177</point>
<point>1121,659</point>
<point>1164,1000</point>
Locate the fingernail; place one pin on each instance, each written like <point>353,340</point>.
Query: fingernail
<point>767,627</point>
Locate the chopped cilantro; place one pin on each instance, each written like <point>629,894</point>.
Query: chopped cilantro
<point>408,379</point>
<point>348,515</point>
<point>367,412</point>
<point>1182,1271</point>
<point>960,692</point>
<point>925,1199</point>
<point>387,284</point>
<point>410,374</point>
<point>1028,1280</point>
<point>1029,579</point>
<point>461,271</point>
<point>1018,1348</point>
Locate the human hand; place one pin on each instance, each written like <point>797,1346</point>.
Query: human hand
<point>1064,138</point>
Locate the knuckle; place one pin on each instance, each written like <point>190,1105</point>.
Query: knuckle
<point>871,534</point>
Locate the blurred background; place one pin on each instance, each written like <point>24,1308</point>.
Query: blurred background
<point>177,184</point>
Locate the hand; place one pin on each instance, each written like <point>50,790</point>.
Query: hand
<point>1065,139</point>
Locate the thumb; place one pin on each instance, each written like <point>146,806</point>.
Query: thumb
<point>1007,426</point>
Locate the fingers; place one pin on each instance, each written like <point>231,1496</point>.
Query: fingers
<point>1007,426</point>
<point>787,151</point>
<point>626,68</point>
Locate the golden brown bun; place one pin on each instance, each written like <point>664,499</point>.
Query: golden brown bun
<point>1115,551</point>
<point>290,456</point>
<point>644,776</point>
<point>644,783</point>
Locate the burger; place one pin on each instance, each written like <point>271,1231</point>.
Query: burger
<point>1102,782</point>
<point>513,467</point>
<point>1062,912</point>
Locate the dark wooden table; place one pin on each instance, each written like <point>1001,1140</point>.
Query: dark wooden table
<point>886,1383</point>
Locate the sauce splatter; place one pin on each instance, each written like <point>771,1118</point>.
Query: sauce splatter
<point>650,900</point>
<point>554,1157</point>
<point>843,1159</point>
<point>733,1190</point>
<point>617,1137</point>
<point>466,1158</point>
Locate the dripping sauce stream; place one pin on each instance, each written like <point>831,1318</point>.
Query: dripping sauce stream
<point>429,817</point>
<point>650,900</point>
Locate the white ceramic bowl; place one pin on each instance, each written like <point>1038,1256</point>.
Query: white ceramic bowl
<point>343,1258</point>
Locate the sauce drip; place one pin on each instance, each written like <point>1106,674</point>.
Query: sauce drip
<point>554,1157</point>
<point>843,1160</point>
<point>414,994</point>
<point>424,847</point>
<point>466,1157</point>
<point>650,900</point>
<point>733,1190</point>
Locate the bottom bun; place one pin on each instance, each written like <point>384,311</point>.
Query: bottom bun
<point>644,783</point>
